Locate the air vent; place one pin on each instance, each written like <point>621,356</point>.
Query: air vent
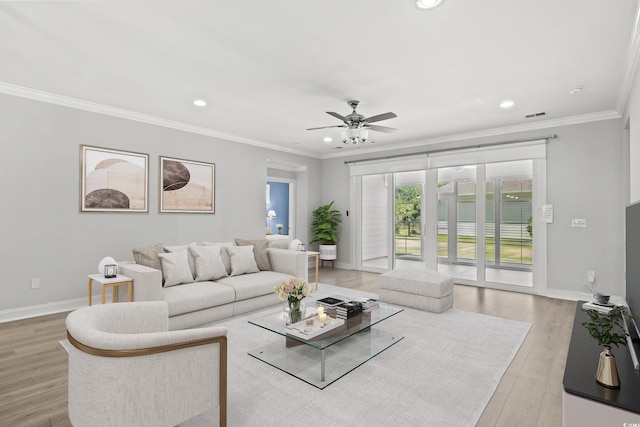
<point>531,116</point>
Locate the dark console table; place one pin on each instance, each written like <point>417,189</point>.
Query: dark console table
<point>583,398</point>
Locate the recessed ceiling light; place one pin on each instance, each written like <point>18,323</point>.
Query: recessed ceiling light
<point>507,104</point>
<point>327,139</point>
<point>427,4</point>
<point>200,103</point>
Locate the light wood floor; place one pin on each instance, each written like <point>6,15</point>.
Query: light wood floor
<point>33,366</point>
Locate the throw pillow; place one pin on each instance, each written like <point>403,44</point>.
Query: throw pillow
<point>148,256</point>
<point>208,262</point>
<point>175,268</point>
<point>179,248</point>
<point>259,252</point>
<point>242,260</point>
<point>225,254</point>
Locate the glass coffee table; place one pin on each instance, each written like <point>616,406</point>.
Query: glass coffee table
<point>323,359</point>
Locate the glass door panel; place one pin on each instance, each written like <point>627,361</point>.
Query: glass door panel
<point>512,259</point>
<point>457,229</point>
<point>408,219</point>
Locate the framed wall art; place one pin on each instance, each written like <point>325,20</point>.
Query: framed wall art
<point>187,186</point>
<point>113,180</point>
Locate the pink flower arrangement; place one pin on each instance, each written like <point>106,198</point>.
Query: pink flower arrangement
<point>293,289</point>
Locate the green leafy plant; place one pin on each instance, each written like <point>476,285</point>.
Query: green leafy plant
<point>530,227</point>
<point>325,224</point>
<point>607,328</point>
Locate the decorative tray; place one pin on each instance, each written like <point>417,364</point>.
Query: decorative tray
<point>307,331</point>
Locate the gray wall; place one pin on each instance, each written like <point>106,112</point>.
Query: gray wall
<point>44,235</point>
<point>584,180</point>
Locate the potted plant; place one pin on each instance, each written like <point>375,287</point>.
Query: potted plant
<point>608,330</point>
<point>325,228</point>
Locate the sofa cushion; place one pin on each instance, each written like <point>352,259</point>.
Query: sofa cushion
<point>196,296</point>
<point>259,252</point>
<point>225,255</point>
<point>208,262</point>
<point>178,248</point>
<point>242,260</point>
<point>175,268</point>
<point>254,285</point>
<point>148,256</point>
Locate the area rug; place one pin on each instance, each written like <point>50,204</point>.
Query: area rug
<point>442,373</point>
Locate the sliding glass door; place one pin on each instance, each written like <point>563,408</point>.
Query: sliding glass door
<point>474,222</point>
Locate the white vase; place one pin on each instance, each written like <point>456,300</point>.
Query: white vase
<point>328,252</point>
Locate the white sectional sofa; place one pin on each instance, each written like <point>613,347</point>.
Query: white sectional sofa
<point>212,281</point>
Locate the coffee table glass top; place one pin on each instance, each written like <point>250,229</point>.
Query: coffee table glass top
<point>274,322</point>
<point>322,360</point>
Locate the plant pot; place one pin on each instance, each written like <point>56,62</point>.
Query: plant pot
<point>328,252</point>
<point>607,374</point>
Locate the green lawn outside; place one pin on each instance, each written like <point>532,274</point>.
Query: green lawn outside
<point>512,250</point>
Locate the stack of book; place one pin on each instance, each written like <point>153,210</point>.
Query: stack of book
<point>368,304</point>
<point>347,310</point>
<point>603,308</point>
<point>329,302</point>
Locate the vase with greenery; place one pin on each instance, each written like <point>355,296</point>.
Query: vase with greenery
<point>325,224</point>
<point>608,330</point>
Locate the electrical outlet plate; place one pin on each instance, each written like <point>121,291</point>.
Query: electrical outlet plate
<point>591,276</point>
<point>579,223</point>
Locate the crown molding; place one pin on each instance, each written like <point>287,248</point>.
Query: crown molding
<point>75,103</point>
<point>93,107</point>
<point>572,120</point>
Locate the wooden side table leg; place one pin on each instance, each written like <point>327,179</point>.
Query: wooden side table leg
<point>130,291</point>
<point>103,295</point>
<point>114,294</point>
<point>90,282</point>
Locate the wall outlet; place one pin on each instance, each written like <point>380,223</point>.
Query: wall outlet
<point>591,276</point>
<point>579,223</point>
<point>35,283</point>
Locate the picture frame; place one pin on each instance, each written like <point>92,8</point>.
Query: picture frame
<point>113,180</point>
<point>186,186</point>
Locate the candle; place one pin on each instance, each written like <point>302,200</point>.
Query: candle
<point>320,311</point>
<point>322,317</point>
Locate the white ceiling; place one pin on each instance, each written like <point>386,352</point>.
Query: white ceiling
<point>271,69</point>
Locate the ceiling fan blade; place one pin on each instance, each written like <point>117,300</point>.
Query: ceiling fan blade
<point>337,116</point>
<point>380,128</point>
<point>326,127</point>
<point>380,117</point>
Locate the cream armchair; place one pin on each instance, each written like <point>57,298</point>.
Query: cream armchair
<point>127,369</point>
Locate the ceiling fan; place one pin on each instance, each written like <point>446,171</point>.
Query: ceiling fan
<point>357,125</point>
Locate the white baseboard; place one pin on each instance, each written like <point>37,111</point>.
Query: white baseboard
<point>44,309</point>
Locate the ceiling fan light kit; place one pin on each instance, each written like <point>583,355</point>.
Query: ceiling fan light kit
<point>358,126</point>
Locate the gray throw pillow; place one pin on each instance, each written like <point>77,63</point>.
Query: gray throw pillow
<point>259,252</point>
<point>148,256</point>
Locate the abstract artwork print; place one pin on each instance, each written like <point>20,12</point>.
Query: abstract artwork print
<point>113,180</point>
<point>187,186</point>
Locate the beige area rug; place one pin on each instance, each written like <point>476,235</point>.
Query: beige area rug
<point>442,373</point>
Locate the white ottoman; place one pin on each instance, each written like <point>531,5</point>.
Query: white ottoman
<point>417,288</point>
